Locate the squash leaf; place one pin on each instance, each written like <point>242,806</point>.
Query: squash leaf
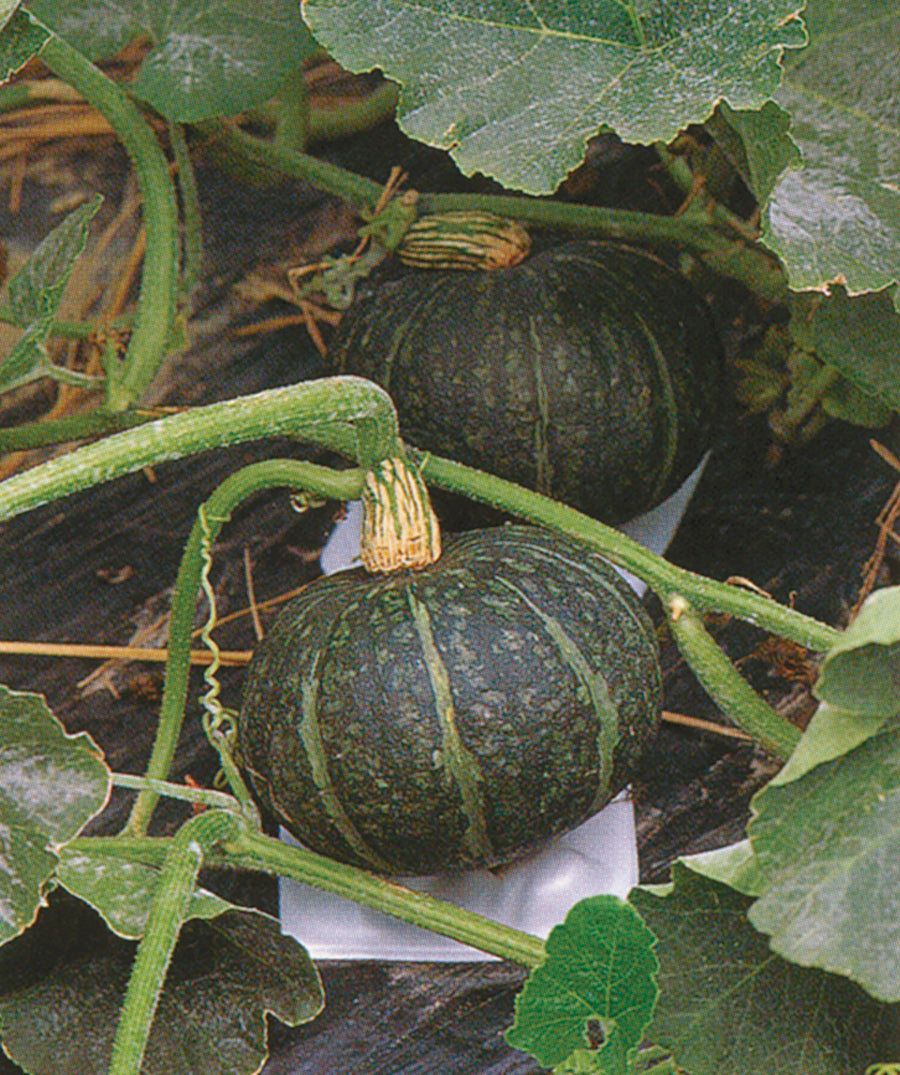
<point>36,291</point>
<point>729,1004</point>
<point>830,733</point>
<point>206,60</point>
<point>858,335</point>
<point>861,671</point>
<point>122,890</point>
<point>515,89</point>
<point>837,219</point>
<point>828,845</point>
<point>594,993</point>
<point>62,984</point>
<point>20,38</point>
<point>769,149</point>
<point>51,785</point>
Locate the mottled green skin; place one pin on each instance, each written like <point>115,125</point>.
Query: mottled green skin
<point>591,372</point>
<point>551,671</point>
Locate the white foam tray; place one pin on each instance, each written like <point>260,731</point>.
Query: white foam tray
<point>533,894</point>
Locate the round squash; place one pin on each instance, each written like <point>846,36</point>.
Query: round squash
<point>455,716</point>
<point>591,372</point>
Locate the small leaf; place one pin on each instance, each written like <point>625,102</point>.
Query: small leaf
<point>729,1004</point>
<point>63,982</point>
<point>21,38</point>
<point>595,991</point>
<point>768,146</point>
<point>122,890</point>
<point>36,291</point>
<point>515,90</point>
<point>734,865</point>
<point>861,671</point>
<point>828,844</point>
<point>207,59</point>
<point>837,219</point>
<point>830,733</point>
<point>51,785</point>
<point>858,335</point>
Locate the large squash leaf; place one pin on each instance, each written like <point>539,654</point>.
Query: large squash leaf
<point>62,984</point>
<point>51,785</point>
<point>206,60</point>
<point>828,845</point>
<point>729,1004</point>
<point>515,89</point>
<point>122,890</point>
<point>595,992</point>
<point>838,217</point>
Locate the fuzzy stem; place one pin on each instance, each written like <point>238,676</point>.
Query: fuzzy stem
<point>70,427</point>
<point>167,913</point>
<point>190,208</point>
<point>201,796</point>
<point>254,851</point>
<point>726,254</point>
<point>664,578</point>
<point>725,686</point>
<point>212,516</point>
<point>350,415</point>
<point>156,300</point>
<point>257,152</point>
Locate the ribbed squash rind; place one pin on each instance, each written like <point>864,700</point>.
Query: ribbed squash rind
<point>591,372</point>
<point>456,716</point>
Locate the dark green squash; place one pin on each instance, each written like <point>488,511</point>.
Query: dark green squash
<point>591,372</point>
<point>454,716</point>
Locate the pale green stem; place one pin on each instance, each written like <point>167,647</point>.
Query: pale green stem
<point>725,686</point>
<point>200,796</point>
<point>168,910</point>
<point>192,226</point>
<point>347,414</point>
<point>664,578</point>
<point>254,851</point>
<point>156,299</point>
<point>212,516</point>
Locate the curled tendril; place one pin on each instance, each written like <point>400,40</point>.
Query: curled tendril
<point>218,722</point>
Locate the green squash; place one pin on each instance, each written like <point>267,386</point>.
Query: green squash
<point>591,372</point>
<point>455,716</point>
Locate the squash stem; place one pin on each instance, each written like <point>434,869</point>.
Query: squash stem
<point>156,300</point>
<point>212,516</point>
<point>349,415</point>
<point>724,251</point>
<point>664,578</point>
<point>257,852</point>
<point>725,686</point>
<point>184,857</point>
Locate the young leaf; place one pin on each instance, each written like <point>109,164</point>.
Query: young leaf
<point>20,39</point>
<point>861,672</point>
<point>768,146</point>
<point>122,890</point>
<point>36,291</point>
<point>828,845</point>
<point>830,733</point>
<point>729,1004</point>
<point>515,90</point>
<point>838,218</point>
<point>595,991</point>
<point>206,60</point>
<point>62,984</point>
<point>51,785</point>
<point>857,335</point>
